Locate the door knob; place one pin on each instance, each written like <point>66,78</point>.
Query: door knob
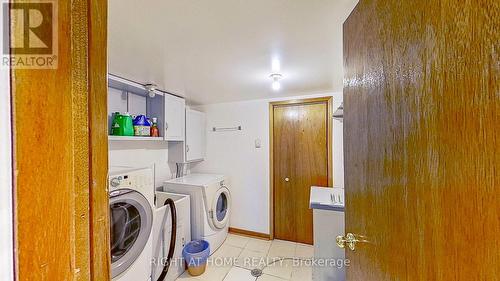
<point>349,240</point>
<point>287,179</point>
<point>340,241</point>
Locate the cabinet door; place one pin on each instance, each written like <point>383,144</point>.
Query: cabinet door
<point>195,135</point>
<point>174,118</point>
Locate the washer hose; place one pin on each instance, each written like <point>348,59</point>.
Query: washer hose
<point>173,238</point>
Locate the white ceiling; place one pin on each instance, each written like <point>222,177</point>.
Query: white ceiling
<point>213,51</point>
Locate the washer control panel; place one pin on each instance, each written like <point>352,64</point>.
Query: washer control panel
<point>120,181</point>
<point>130,180</point>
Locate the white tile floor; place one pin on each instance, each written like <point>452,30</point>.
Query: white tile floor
<point>238,255</point>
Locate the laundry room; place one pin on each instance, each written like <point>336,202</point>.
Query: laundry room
<point>263,140</point>
<point>212,141</point>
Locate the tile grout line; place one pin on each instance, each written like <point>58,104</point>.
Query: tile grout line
<point>265,253</point>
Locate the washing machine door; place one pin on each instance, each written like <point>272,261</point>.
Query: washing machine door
<point>131,220</point>
<point>220,208</point>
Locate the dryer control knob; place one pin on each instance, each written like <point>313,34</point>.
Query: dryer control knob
<point>115,182</point>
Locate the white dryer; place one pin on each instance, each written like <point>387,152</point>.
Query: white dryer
<point>131,199</point>
<point>210,205</point>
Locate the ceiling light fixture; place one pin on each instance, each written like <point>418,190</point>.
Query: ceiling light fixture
<point>276,65</point>
<point>276,77</point>
<point>151,88</point>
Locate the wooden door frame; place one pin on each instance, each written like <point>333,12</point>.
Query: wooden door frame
<point>100,257</point>
<point>77,91</point>
<point>328,100</point>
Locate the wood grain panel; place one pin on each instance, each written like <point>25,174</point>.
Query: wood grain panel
<point>80,138</point>
<point>421,139</point>
<point>52,157</point>
<point>300,153</point>
<point>285,219</point>
<point>99,222</point>
<point>44,152</point>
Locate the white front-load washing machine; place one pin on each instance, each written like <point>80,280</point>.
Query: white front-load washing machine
<point>131,201</point>
<point>210,205</point>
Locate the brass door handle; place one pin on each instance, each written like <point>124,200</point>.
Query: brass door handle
<point>349,240</point>
<point>340,241</point>
<point>287,179</point>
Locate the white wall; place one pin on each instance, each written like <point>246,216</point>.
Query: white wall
<point>234,155</point>
<point>6,250</point>
<point>142,154</point>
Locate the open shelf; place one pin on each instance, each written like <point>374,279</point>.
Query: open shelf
<point>128,96</point>
<point>133,138</point>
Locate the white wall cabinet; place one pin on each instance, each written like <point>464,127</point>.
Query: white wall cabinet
<point>174,118</point>
<point>195,135</point>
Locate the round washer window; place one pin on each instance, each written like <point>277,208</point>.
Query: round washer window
<point>131,220</point>
<point>125,228</point>
<point>221,208</point>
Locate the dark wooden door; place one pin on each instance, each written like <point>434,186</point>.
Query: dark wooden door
<point>300,151</point>
<point>421,127</point>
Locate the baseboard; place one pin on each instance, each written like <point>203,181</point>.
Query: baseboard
<point>249,233</point>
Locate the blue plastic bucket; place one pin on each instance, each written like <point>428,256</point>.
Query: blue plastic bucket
<point>196,254</point>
